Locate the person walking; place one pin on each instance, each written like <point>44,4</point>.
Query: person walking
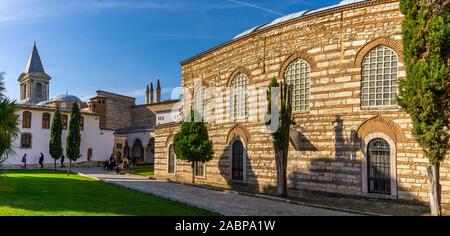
<point>62,161</point>
<point>41,160</point>
<point>24,161</point>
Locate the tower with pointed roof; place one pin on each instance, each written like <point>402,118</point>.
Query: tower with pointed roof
<point>147,95</point>
<point>34,82</point>
<point>151,92</point>
<point>158,91</point>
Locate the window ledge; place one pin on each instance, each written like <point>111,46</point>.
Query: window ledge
<point>388,108</point>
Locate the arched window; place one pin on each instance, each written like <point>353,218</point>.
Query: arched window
<point>38,91</point>
<point>379,78</point>
<point>171,160</point>
<point>25,140</point>
<point>24,91</point>
<point>201,102</point>
<point>65,120</point>
<point>378,161</point>
<point>26,119</point>
<point>89,154</point>
<point>46,121</point>
<point>237,161</point>
<point>239,97</point>
<point>298,74</point>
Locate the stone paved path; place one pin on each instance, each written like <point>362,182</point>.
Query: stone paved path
<point>222,202</point>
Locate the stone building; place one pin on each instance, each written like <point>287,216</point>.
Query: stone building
<point>133,124</point>
<point>35,111</point>
<point>350,137</point>
<point>111,123</point>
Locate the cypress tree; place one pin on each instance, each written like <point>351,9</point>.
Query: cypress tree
<point>55,145</point>
<point>74,136</point>
<point>281,103</point>
<point>425,94</point>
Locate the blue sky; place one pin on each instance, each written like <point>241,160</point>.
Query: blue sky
<point>120,46</point>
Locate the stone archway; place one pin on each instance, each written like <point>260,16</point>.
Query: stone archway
<point>137,152</point>
<point>150,151</point>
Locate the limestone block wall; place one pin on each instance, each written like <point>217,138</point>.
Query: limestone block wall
<point>330,157</point>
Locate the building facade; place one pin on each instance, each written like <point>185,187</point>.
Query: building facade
<point>350,137</point>
<point>133,124</point>
<point>35,111</point>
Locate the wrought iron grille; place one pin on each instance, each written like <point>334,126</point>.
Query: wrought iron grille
<point>238,161</point>
<point>378,154</point>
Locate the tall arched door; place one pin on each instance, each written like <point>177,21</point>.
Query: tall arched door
<point>378,161</point>
<point>237,161</point>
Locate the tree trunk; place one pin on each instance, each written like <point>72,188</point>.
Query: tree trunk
<point>285,156</point>
<point>70,165</point>
<point>193,172</point>
<point>281,173</point>
<point>55,164</point>
<point>434,189</point>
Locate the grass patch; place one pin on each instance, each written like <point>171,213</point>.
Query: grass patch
<point>50,193</point>
<point>142,170</point>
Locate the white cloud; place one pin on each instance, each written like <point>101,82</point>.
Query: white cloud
<point>256,7</point>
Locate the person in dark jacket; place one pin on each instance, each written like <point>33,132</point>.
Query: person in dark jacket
<point>62,161</point>
<point>41,160</point>
<point>24,161</point>
<point>112,162</point>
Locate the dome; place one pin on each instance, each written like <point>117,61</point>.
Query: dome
<point>66,98</point>
<point>298,15</point>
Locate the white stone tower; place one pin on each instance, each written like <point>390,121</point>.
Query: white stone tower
<point>34,82</point>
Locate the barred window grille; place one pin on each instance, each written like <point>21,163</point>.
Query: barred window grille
<point>379,78</point>
<point>25,140</point>
<point>239,95</point>
<point>298,74</point>
<point>378,154</point>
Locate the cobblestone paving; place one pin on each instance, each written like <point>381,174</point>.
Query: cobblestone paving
<point>223,202</point>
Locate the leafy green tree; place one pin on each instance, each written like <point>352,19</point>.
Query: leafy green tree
<point>55,145</point>
<point>74,136</point>
<point>192,143</point>
<point>9,122</point>
<point>425,94</point>
<point>280,109</point>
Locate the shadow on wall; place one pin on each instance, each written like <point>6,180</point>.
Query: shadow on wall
<point>345,148</point>
<point>249,180</point>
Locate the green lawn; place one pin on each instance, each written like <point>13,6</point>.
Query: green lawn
<point>49,193</point>
<point>142,170</point>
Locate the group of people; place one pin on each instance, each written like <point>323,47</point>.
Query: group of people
<point>118,165</point>
<point>41,161</point>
